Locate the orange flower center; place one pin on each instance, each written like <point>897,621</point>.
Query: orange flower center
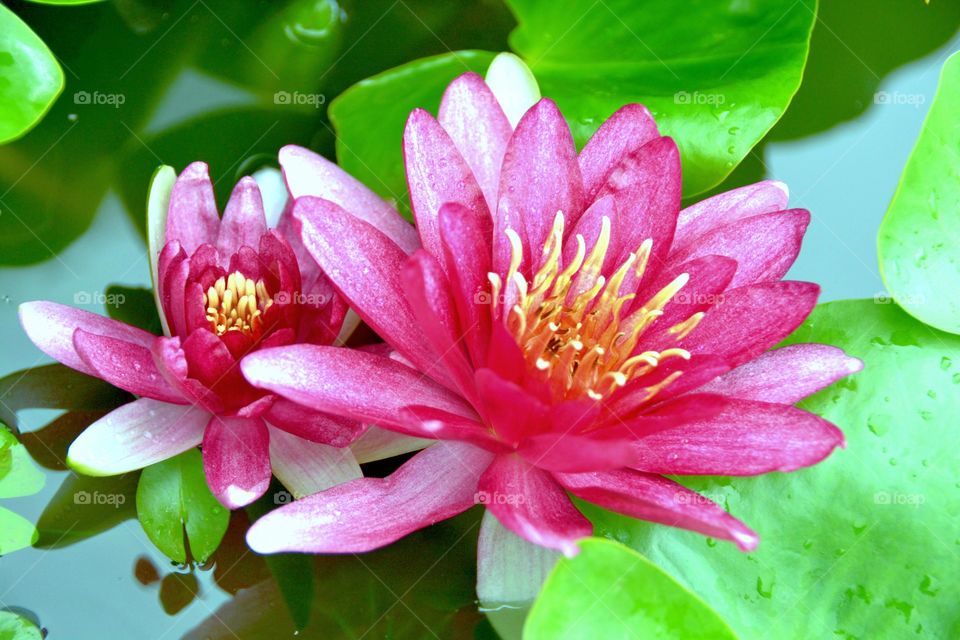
<point>569,320</point>
<point>237,303</point>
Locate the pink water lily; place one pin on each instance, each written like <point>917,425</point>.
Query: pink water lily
<point>564,328</point>
<point>225,288</point>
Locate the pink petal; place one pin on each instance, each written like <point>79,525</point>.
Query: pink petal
<point>174,270</point>
<point>428,292</point>
<point>437,174</point>
<point>378,444</point>
<point>572,452</point>
<point>746,438</point>
<point>623,133</point>
<point>365,266</point>
<point>645,186</point>
<point>510,570</point>
<point>192,219</point>
<point>589,226</point>
<point>466,254</point>
<point>313,426</point>
<point>470,113</point>
<point>126,365</point>
<point>236,459</point>
<point>708,278</point>
<point>243,219</point>
<point>695,372</point>
<point>306,467</point>
<point>786,375</point>
<point>427,422</point>
<point>755,199</point>
<point>764,246</point>
<point>348,382</point>
<point>509,408</point>
<point>368,513</point>
<point>50,326</point>
<point>309,174</point>
<point>171,361</point>
<point>751,319</point>
<point>529,502</point>
<point>540,177</point>
<point>137,435</point>
<point>657,499</point>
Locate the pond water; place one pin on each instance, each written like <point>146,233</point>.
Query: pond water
<point>840,148</point>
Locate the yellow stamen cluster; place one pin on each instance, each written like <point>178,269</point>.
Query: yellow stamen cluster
<point>569,322</point>
<point>237,303</point>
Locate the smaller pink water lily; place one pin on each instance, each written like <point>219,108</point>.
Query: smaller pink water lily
<point>564,329</point>
<point>225,288</point>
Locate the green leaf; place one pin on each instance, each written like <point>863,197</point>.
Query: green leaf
<point>716,76</point>
<point>32,79</point>
<point>133,305</point>
<point>864,544</point>
<point>369,117</point>
<point>16,532</point>
<point>18,475</point>
<point>17,627</point>
<point>919,235</point>
<point>65,2</point>
<point>174,495</point>
<point>610,591</point>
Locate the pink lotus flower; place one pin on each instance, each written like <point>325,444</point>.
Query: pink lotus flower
<point>564,329</point>
<point>225,288</point>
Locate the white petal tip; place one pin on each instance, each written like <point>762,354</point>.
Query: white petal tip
<point>513,84</point>
<point>273,190</point>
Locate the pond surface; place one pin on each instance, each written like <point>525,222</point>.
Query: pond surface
<point>74,192</point>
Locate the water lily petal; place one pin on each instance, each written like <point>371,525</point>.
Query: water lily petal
<point>192,219</point>
<point>622,134</point>
<point>136,435</point>
<point>314,426</point>
<point>470,113</point>
<point>126,365</point>
<point>368,513</point>
<point>50,326</point>
<point>339,381</point>
<point>378,444</point>
<point>529,502</point>
<point>236,459</point>
<point>510,570</point>
<point>722,209</point>
<point>437,174</point>
<point>657,499</point>
<point>513,84</point>
<point>746,438</point>
<point>786,375</point>
<point>310,174</point>
<point>306,467</point>
<point>540,177</point>
<point>244,220</point>
<point>764,246</point>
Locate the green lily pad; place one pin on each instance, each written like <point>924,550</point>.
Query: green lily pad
<point>919,237</point>
<point>369,117</point>
<point>16,532</point>
<point>864,544</point>
<point>16,627</point>
<point>31,78</point>
<point>18,475</point>
<point>611,591</point>
<point>172,496</point>
<point>85,506</point>
<point>716,75</point>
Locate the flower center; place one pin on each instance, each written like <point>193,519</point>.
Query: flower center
<point>570,322</point>
<point>236,303</point>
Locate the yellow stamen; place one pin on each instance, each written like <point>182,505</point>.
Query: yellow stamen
<point>575,325</point>
<point>237,303</point>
